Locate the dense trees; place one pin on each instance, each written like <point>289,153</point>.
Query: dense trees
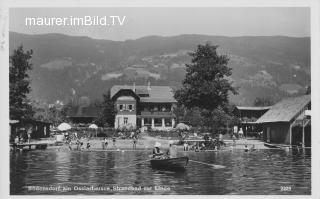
<point>19,84</point>
<point>206,86</point>
<point>107,111</point>
<point>54,113</point>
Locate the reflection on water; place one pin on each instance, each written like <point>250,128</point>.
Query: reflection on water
<point>257,172</point>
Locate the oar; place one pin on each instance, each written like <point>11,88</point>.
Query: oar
<point>130,165</point>
<point>212,165</point>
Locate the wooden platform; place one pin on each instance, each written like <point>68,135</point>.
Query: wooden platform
<point>29,146</point>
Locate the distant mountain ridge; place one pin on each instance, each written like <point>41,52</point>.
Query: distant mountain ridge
<point>67,67</point>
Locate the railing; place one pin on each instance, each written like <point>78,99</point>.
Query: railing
<point>156,113</point>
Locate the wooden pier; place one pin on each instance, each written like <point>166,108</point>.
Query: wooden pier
<point>29,146</point>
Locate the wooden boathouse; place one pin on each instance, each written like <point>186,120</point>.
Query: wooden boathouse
<point>248,115</point>
<point>288,122</point>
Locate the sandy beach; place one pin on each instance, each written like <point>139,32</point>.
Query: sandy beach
<point>146,143</point>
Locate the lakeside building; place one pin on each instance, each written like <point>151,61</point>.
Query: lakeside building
<point>83,114</point>
<point>288,122</point>
<point>36,128</point>
<point>144,106</point>
<point>248,115</point>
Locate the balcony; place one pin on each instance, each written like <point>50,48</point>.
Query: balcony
<point>156,113</point>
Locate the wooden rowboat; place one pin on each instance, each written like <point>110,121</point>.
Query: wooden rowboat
<point>275,146</point>
<point>170,163</point>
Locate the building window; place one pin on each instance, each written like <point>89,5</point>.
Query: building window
<point>121,107</point>
<point>168,122</point>
<point>157,122</point>
<point>147,121</point>
<point>130,107</point>
<point>125,120</point>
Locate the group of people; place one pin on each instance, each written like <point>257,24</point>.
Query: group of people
<point>114,139</point>
<point>79,141</point>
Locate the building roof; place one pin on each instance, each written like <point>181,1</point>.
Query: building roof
<point>82,111</point>
<point>156,94</point>
<point>285,110</point>
<point>253,108</point>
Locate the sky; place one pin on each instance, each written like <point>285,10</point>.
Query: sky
<point>140,22</point>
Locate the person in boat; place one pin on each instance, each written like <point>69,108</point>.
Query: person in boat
<point>156,153</point>
<point>172,152</point>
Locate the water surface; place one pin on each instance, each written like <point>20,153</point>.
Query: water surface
<point>76,172</point>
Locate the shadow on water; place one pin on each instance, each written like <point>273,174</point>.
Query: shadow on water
<point>256,172</point>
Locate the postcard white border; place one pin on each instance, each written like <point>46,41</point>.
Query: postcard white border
<point>4,57</point>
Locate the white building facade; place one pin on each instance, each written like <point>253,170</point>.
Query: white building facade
<point>144,106</point>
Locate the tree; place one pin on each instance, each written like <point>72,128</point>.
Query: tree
<point>206,85</point>
<point>263,101</point>
<point>54,113</point>
<point>107,114</point>
<point>19,84</point>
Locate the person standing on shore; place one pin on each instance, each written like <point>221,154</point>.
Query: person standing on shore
<point>185,146</point>
<point>241,133</point>
<point>78,144</point>
<point>234,140</point>
<point>16,140</point>
<point>88,145</point>
<point>114,141</point>
<point>29,134</point>
<point>134,142</point>
<point>105,143</point>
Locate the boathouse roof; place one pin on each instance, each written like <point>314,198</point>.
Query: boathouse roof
<point>285,110</point>
<point>253,108</point>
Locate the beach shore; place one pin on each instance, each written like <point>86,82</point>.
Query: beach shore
<point>147,143</point>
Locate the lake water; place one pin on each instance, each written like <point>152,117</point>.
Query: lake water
<point>81,172</point>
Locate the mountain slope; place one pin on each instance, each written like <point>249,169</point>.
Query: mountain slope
<point>65,67</point>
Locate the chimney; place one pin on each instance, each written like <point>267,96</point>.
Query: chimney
<point>149,86</point>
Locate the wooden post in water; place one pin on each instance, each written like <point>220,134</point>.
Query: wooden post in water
<point>303,144</point>
<point>290,134</point>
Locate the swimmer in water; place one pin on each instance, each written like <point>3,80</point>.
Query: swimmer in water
<point>246,148</point>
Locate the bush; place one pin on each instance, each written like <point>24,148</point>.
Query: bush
<point>161,133</point>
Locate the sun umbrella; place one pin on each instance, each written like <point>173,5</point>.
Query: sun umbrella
<point>182,126</point>
<point>64,126</point>
<point>93,126</point>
